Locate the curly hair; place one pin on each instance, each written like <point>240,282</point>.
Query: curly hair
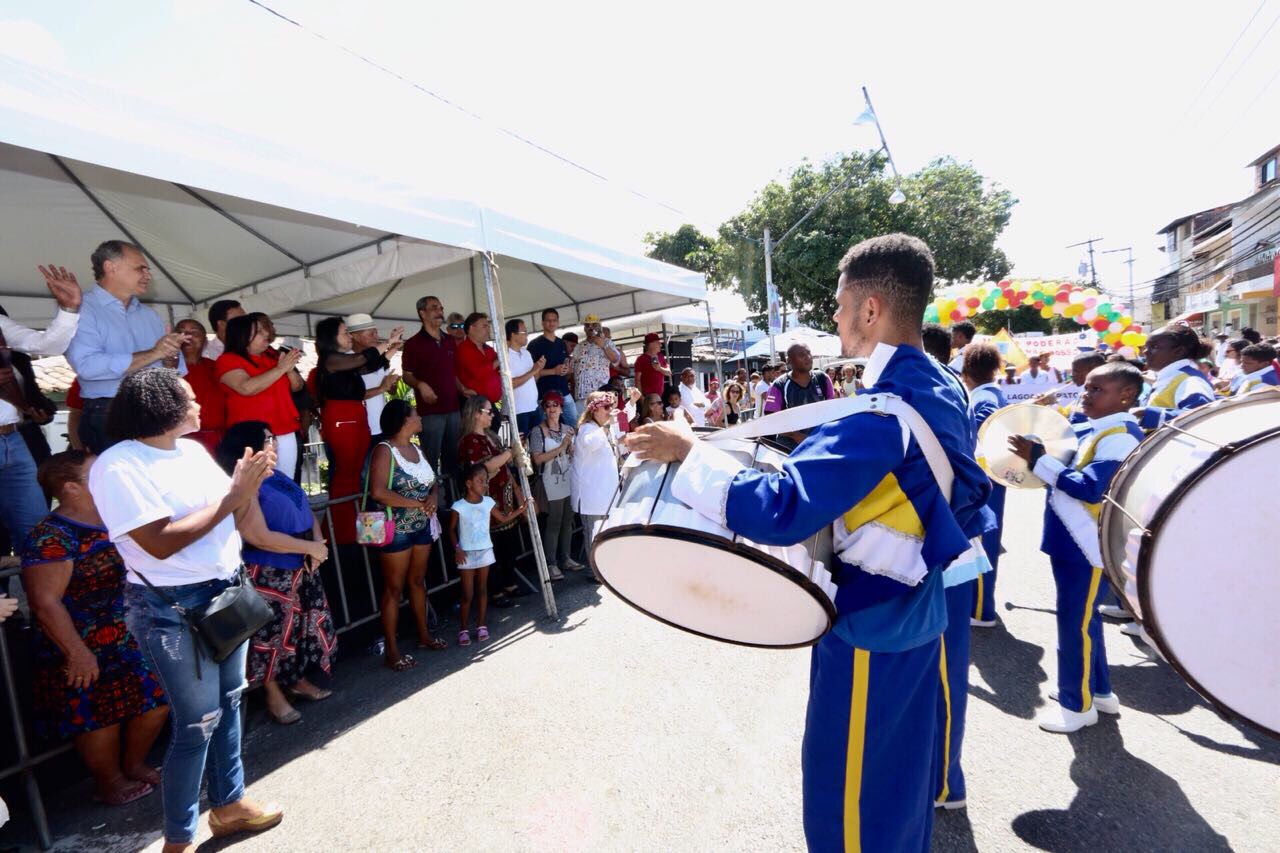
<point>149,403</point>
<point>981,362</point>
<point>899,268</point>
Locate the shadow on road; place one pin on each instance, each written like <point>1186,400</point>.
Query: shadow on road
<point>1121,803</point>
<point>1011,667</point>
<point>952,832</point>
<point>362,689</point>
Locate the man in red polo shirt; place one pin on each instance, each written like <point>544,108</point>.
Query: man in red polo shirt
<point>652,372</point>
<point>477,361</point>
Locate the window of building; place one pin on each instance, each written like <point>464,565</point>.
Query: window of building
<point>1268,170</point>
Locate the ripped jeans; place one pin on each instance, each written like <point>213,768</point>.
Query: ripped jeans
<point>204,710</point>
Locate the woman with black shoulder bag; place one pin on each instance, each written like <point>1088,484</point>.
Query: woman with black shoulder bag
<point>172,514</point>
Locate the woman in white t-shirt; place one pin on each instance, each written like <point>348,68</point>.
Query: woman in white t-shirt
<point>595,463</point>
<point>172,514</point>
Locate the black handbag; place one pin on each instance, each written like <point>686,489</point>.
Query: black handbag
<point>221,626</point>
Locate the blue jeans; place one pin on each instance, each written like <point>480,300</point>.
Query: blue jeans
<point>205,709</point>
<point>22,503</point>
<point>93,424</point>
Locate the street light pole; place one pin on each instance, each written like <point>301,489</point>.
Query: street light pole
<point>770,293</point>
<point>1129,250</point>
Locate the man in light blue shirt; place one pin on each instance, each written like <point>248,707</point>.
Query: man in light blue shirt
<point>118,335</point>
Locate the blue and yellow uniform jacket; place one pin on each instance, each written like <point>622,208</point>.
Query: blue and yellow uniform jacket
<point>1076,489</point>
<point>1250,381</point>
<point>894,532</point>
<point>1179,388</point>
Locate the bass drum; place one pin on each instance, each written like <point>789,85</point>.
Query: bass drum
<point>1209,598</point>
<point>673,564</point>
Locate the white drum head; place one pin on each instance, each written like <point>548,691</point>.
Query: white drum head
<point>707,586</point>
<point>1211,600</point>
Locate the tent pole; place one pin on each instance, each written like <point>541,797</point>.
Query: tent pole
<point>715,350</point>
<point>494,292</point>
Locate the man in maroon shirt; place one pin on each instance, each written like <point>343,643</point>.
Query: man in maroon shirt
<point>652,372</point>
<point>429,366</point>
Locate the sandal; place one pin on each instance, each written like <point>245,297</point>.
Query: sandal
<point>319,696</point>
<point>288,718</point>
<point>437,644</point>
<point>124,799</point>
<point>482,633</point>
<point>406,662</point>
<point>464,638</point>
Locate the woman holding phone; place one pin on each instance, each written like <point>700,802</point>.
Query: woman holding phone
<point>283,551</point>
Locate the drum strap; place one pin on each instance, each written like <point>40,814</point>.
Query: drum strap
<point>816,414</point>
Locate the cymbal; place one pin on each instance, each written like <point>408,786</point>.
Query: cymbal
<point>1039,423</point>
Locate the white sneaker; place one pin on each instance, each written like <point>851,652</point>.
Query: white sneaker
<point>1058,719</point>
<point>949,805</point>
<point>1107,704</point>
<point>982,623</point>
<point>1114,611</point>
<point>554,573</point>
<point>1133,629</point>
<point>573,565</point>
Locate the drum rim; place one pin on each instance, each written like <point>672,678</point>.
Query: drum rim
<point>1150,621</point>
<point>767,561</point>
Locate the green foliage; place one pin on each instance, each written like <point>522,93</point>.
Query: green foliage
<point>949,205</point>
<point>1025,318</point>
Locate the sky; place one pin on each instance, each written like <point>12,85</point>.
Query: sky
<point>1095,115</point>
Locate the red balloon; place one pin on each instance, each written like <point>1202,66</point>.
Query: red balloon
<point>1101,324</point>
<point>973,302</point>
<point>1062,296</point>
<point>1015,301</point>
<point>1005,283</point>
<point>1039,303</point>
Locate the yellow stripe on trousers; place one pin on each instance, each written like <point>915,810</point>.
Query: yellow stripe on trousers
<point>1087,642</point>
<point>853,760</point>
<point>946,699</point>
<point>977,607</point>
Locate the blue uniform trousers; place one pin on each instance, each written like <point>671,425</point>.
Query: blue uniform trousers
<point>869,756</point>
<point>984,588</point>
<point>1082,658</point>
<point>953,693</point>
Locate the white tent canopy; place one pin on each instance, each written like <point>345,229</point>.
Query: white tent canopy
<point>224,213</point>
<point>682,321</point>
<point>821,344</point>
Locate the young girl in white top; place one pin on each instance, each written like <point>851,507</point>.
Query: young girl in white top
<point>473,549</point>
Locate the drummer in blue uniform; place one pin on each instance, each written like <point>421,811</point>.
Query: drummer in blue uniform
<point>1180,386</point>
<point>1256,360</point>
<point>985,398</point>
<point>1070,538</point>
<point>868,752</point>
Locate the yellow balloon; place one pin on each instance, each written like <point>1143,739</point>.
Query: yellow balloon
<point>1129,339</point>
<point>1046,312</point>
<point>1140,339</point>
<point>1089,291</point>
<point>1073,309</point>
<point>1001,303</point>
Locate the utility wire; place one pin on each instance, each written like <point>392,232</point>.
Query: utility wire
<point>1227,55</point>
<point>469,113</point>
<point>1243,63</point>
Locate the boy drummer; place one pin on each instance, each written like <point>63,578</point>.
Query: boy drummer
<point>1071,540</point>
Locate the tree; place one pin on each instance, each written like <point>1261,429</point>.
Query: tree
<point>949,205</point>
<point>685,247</point>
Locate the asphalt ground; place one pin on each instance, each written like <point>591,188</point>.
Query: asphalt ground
<point>610,731</point>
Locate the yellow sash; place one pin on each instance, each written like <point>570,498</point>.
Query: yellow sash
<point>1087,456</point>
<point>1167,397</point>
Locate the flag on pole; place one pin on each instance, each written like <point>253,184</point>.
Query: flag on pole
<point>1009,349</point>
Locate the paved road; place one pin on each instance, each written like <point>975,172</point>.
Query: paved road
<point>613,732</point>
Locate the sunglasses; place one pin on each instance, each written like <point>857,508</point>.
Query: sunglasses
<point>457,325</point>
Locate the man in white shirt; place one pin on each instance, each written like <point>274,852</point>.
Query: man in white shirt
<point>220,313</point>
<point>22,503</point>
<point>1034,375</point>
<point>364,334</point>
<point>692,400</point>
<point>761,388</point>
<point>524,375</point>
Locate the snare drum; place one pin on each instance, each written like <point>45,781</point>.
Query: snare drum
<point>1188,541</point>
<point>670,562</point>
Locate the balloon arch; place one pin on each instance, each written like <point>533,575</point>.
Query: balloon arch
<point>1087,306</point>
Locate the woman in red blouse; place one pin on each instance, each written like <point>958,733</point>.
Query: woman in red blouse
<point>257,386</point>
<point>202,378</point>
<point>478,362</point>
<point>479,444</point>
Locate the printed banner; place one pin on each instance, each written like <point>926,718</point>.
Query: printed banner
<point>1068,345</point>
<point>1067,393</point>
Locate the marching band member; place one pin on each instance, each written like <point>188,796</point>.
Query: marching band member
<point>868,750</point>
<point>985,397</point>
<point>1171,352</point>
<point>1256,362</point>
<point>1081,365</point>
<point>960,583</point>
<point>1071,540</point>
